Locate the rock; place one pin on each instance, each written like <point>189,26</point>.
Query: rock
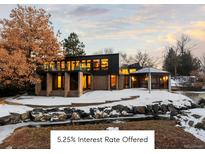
<point>155,108</point>
<point>157,102</point>
<point>100,114</point>
<point>58,116</point>
<point>196,116</point>
<point>139,109</point>
<point>108,110</point>
<point>171,108</point>
<point>82,113</point>
<point>75,116</point>
<point>25,116</point>
<point>202,103</point>
<point>68,112</point>
<point>40,116</point>
<point>191,123</point>
<point>200,125</point>
<point>164,108</point>
<point>120,108</point>
<point>92,111</point>
<point>52,109</point>
<point>194,105</point>
<point>15,118</point>
<point>149,109</point>
<point>5,120</point>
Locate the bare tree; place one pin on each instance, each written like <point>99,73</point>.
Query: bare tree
<point>143,59</point>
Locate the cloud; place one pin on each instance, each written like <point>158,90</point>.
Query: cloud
<point>88,11</point>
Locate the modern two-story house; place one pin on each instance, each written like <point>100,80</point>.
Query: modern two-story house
<point>73,76</point>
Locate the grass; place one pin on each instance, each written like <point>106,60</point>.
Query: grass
<point>167,135</point>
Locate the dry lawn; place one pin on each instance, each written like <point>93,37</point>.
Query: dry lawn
<point>166,134</point>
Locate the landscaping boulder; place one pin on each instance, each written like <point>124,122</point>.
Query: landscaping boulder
<point>120,108</point>
<point>68,112</point>
<point>100,114</point>
<point>58,116</point>
<point>5,120</point>
<point>164,108</point>
<point>149,109</point>
<point>15,118</point>
<point>82,114</point>
<point>108,110</point>
<point>196,116</point>
<point>40,116</point>
<point>191,123</point>
<point>155,108</point>
<point>25,116</point>
<point>202,103</point>
<point>200,125</point>
<point>75,116</point>
<point>139,109</point>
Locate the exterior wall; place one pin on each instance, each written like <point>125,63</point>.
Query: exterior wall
<point>121,82</point>
<point>100,82</point>
<point>67,84</point>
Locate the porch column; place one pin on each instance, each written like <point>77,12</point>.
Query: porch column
<point>117,82</point>
<point>38,86</point>
<point>91,84</point>
<point>169,84</point>
<point>67,84</point>
<point>49,84</point>
<point>130,82</point>
<point>149,82</point>
<point>108,82</point>
<point>80,83</point>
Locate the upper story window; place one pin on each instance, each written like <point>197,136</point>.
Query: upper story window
<point>52,65</point>
<point>83,64</point>
<point>58,65</point>
<point>96,64</point>
<point>62,65</point>
<point>104,64</point>
<point>124,71</point>
<point>131,70</point>
<point>68,65</point>
<point>72,65</point>
<point>77,65</point>
<point>45,66</point>
<point>88,65</point>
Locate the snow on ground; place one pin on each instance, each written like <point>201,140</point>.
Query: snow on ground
<point>100,96</point>
<point>186,120</point>
<point>146,98</point>
<point>5,109</point>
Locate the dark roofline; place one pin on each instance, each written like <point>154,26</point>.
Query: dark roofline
<point>93,55</point>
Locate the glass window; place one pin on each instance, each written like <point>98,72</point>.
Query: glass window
<point>58,65</point>
<point>68,65</point>
<point>88,65</point>
<point>52,65</point>
<point>72,65</point>
<point>62,65</point>
<point>83,64</point>
<point>124,71</point>
<point>132,70</point>
<point>113,82</point>
<point>104,64</point>
<point>77,65</point>
<point>45,66</point>
<point>59,82</point>
<point>96,64</point>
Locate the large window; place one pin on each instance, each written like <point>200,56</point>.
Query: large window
<point>58,65</point>
<point>124,71</point>
<point>68,65</point>
<point>104,64</point>
<point>62,65</point>
<point>113,83</point>
<point>59,86</point>
<point>45,66</point>
<point>88,65</point>
<point>83,64</point>
<point>96,64</point>
<point>52,65</point>
<point>72,65</point>
<point>58,81</point>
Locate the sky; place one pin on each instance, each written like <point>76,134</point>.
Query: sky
<point>128,28</point>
